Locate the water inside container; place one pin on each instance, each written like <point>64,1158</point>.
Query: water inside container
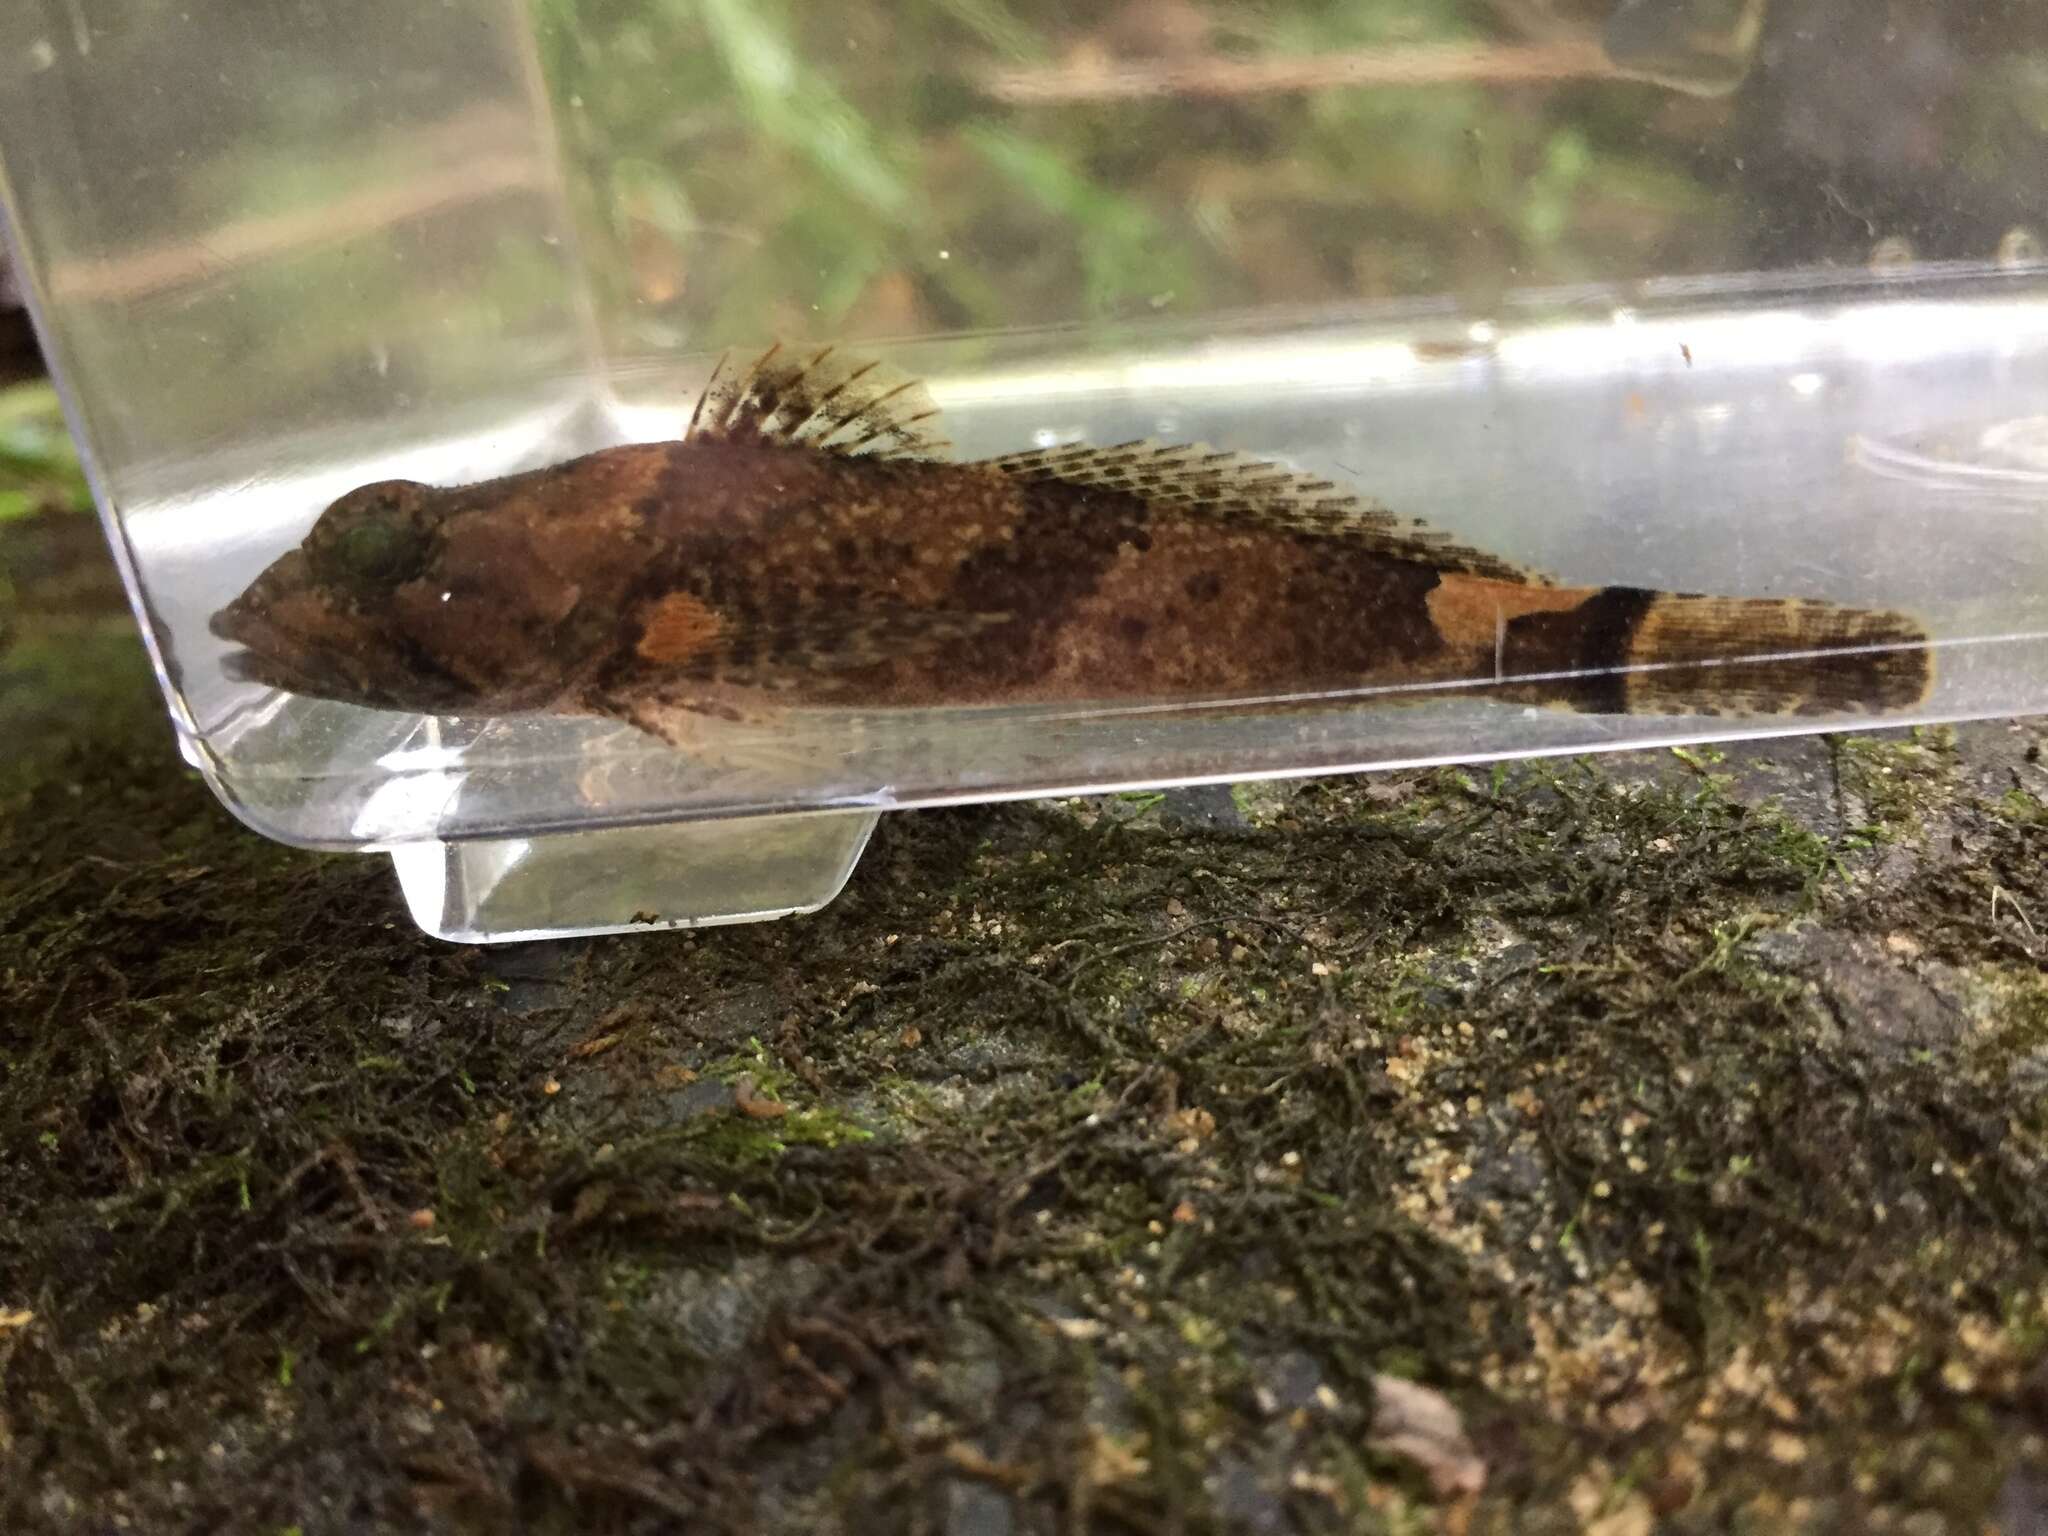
<point>1851,441</point>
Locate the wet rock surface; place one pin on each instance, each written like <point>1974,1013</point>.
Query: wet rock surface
<point>1668,1129</point>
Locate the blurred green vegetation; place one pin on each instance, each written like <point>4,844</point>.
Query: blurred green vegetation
<point>857,169</point>
<point>39,469</point>
<point>738,169</point>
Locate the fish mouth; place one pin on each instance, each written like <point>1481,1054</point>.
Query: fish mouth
<point>266,653</point>
<point>257,656</point>
<point>292,642</point>
<point>243,665</point>
<point>247,665</point>
<point>238,622</point>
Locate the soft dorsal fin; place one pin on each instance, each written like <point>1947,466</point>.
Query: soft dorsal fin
<point>1236,487</point>
<point>830,401</point>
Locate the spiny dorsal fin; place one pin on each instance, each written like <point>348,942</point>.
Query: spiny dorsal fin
<point>831,401</point>
<point>1236,487</point>
<point>684,635</point>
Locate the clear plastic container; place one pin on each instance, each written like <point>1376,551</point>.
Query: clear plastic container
<point>1742,297</point>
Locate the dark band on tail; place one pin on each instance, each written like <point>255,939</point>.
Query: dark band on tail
<point>1592,642</point>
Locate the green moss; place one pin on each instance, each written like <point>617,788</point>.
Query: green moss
<point>1649,1120</point>
<point>738,1141</point>
<point>1896,779</point>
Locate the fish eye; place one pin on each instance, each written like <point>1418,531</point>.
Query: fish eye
<point>374,548</point>
<point>371,549</point>
<point>368,537</point>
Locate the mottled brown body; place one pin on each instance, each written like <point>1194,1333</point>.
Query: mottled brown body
<point>803,548</point>
<point>1039,591</point>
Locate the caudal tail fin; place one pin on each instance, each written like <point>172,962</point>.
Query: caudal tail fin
<point>1761,656</point>
<point>1623,650</point>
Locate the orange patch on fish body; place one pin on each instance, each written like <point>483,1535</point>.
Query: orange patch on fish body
<point>1473,611</point>
<point>681,628</point>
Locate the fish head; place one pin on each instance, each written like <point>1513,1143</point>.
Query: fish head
<point>364,611</point>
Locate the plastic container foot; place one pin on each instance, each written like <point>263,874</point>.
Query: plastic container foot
<point>630,879</point>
